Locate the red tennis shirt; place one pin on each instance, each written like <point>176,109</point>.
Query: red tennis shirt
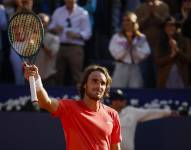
<point>86,129</point>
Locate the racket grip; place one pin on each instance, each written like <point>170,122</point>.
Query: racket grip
<point>33,89</point>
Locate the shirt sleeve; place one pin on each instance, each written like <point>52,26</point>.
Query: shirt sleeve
<point>150,114</point>
<point>116,133</point>
<point>64,109</point>
<point>142,49</point>
<point>85,29</point>
<point>53,22</point>
<point>117,46</point>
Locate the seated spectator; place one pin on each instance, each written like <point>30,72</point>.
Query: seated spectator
<point>172,57</point>
<point>129,48</point>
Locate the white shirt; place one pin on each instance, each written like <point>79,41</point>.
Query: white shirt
<point>46,63</point>
<point>120,47</point>
<point>130,116</point>
<point>79,20</point>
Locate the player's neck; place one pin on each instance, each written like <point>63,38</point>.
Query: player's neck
<point>92,104</point>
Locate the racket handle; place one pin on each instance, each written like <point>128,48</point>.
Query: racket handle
<point>33,89</point>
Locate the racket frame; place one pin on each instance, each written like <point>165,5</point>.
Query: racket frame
<point>32,57</point>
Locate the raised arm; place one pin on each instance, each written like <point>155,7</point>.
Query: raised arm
<point>44,101</point>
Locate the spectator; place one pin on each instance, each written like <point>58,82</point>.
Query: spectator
<point>129,48</point>
<point>46,57</point>
<point>172,57</point>
<point>131,116</point>
<point>151,14</point>
<point>24,5</point>
<point>72,24</point>
<point>119,7</point>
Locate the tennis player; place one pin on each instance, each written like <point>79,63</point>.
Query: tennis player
<point>88,124</point>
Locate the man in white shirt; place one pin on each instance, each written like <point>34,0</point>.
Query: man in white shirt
<point>131,116</point>
<point>71,23</point>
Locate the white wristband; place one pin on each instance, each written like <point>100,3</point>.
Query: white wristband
<point>38,84</point>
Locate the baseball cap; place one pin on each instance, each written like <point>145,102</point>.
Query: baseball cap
<point>117,94</point>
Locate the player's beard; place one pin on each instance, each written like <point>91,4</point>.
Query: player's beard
<point>93,96</point>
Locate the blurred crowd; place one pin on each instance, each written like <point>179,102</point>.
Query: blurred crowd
<point>143,43</point>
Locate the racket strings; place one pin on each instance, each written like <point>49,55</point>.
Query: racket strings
<point>25,34</point>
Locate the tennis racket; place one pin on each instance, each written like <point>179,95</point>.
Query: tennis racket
<point>26,33</point>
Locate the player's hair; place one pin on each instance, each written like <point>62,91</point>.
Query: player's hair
<point>86,74</point>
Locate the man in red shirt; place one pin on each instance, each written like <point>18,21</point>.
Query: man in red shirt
<point>88,124</point>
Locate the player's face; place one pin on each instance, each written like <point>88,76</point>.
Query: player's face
<point>95,86</point>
